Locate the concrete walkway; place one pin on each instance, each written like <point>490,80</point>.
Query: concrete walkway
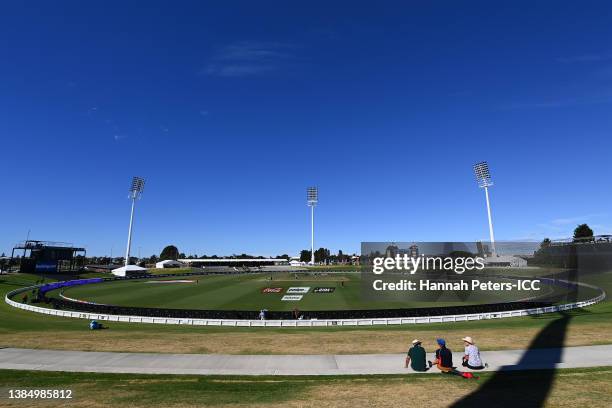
<point>209,364</point>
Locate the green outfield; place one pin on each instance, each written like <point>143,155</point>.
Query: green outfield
<point>20,328</point>
<point>322,291</point>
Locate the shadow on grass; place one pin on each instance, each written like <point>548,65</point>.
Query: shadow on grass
<point>531,389</point>
<point>507,389</point>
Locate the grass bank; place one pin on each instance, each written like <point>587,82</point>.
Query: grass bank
<point>570,388</point>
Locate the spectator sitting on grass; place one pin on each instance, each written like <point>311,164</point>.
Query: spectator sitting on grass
<point>95,325</point>
<point>471,358</point>
<point>444,357</point>
<point>444,361</point>
<point>416,357</point>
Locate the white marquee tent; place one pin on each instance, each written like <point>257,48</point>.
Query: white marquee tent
<point>127,270</point>
<point>169,263</point>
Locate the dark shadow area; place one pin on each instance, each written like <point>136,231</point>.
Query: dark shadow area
<point>528,389</point>
<point>507,389</point>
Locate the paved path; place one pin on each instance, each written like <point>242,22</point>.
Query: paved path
<point>208,364</point>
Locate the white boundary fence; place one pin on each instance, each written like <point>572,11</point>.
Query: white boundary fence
<point>304,323</point>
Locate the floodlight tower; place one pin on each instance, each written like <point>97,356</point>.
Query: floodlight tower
<point>135,193</point>
<point>312,197</point>
<point>483,176</point>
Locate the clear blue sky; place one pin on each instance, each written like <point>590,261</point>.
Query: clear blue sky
<point>231,109</point>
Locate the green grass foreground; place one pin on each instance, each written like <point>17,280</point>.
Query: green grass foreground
<point>135,390</point>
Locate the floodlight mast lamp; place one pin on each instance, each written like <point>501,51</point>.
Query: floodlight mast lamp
<point>483,176</point>
<point>312,198</point>
<point>135,193</point>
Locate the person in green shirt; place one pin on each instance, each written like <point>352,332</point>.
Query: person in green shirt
<point>416,357</point>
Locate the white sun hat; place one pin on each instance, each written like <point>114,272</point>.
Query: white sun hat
<point>416,341</point>
<point>468,339</point>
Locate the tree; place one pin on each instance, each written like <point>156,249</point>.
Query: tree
<point>169,253</point>
<point>545,254</point>
<point>322,255</point>
<point>305,255</point>
<point>582,231</point>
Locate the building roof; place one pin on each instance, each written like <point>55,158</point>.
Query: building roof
<point>35,244</point>
<point>169,261</point>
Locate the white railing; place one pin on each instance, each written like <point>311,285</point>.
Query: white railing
<point>304,323</point>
